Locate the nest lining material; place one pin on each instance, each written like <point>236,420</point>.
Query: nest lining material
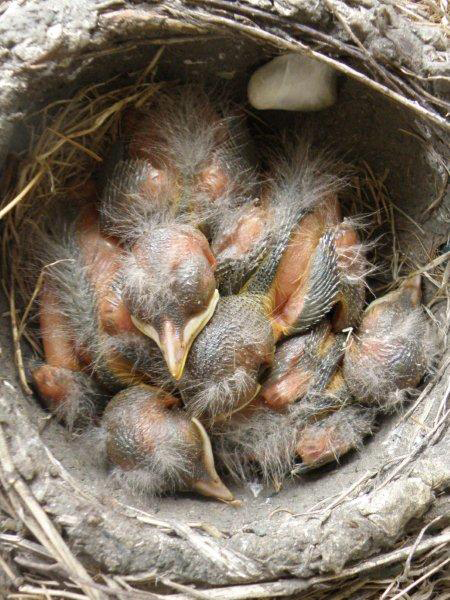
<point>69,143</point>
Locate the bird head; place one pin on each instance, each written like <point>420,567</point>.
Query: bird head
<point>387,310</point>
<point>170,289</point>
<point>158,447</point>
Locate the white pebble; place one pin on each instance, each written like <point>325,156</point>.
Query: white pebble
<point>293,82</point>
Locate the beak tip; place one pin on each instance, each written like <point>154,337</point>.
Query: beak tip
<point>214,489</point>
<point>176,373</point>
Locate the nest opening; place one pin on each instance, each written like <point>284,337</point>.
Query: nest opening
<point>397,183</point>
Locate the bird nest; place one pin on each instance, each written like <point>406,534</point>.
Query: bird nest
<point>373,526</point>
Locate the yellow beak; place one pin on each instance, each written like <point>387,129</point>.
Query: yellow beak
<point>175,344</point>
<point>211,485</point>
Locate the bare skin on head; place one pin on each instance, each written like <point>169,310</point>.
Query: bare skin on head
<point>245,231</point>
<point>169,287</point>
<point>183,171</point>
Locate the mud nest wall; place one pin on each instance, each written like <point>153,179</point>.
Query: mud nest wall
<point>346,527</point>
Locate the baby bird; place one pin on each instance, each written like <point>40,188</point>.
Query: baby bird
<point>227,357</point>
<point>86,328</point>
<point>301,364</point>
<point>205,146</point>
<point>168,268</point>
<point>323,269</point>
<point>303,411</point>
<point>187,164</point>
<point>170,289</point>
<point>156,448</point>
<point>325,440</point>
<point>184,163</point>
<point>393,348</point>
<point>225,361</point>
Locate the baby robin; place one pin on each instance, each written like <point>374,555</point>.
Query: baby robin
<point>156,448</point>
<point>205,144</point>
<point>187,165</point>
<point>227,357</point>
<point>86,327</point>
<point>322,268</point>
<point>393,348</point>
<point>303,411</point>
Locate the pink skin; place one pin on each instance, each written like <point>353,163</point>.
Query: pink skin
<point>178,289</point>
<point>55,379</point>
<point>286,390</point>
<point>102,255</point>
<point>320,446</point>
<point>293,271</point>
<point>103,258</point>
<point>248,231</point>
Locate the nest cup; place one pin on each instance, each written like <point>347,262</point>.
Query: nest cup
<point>84,528</point>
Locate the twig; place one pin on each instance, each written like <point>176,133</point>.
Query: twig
<point>191,592</point>
<point>77,145</point>
<point>426,390</point>
<point>44,529</point>
<point>417,581</point>
<point>416,451</point>
<point>439,196</point>
<point>16,342</point>
<point>36,179</point>
<point>434,263</point>
<point>50,593</point>
<point>416,543</point>
<point>222,558</point>
<point>290,587</point>
<point>15,579</point>
<point>333,9</point>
